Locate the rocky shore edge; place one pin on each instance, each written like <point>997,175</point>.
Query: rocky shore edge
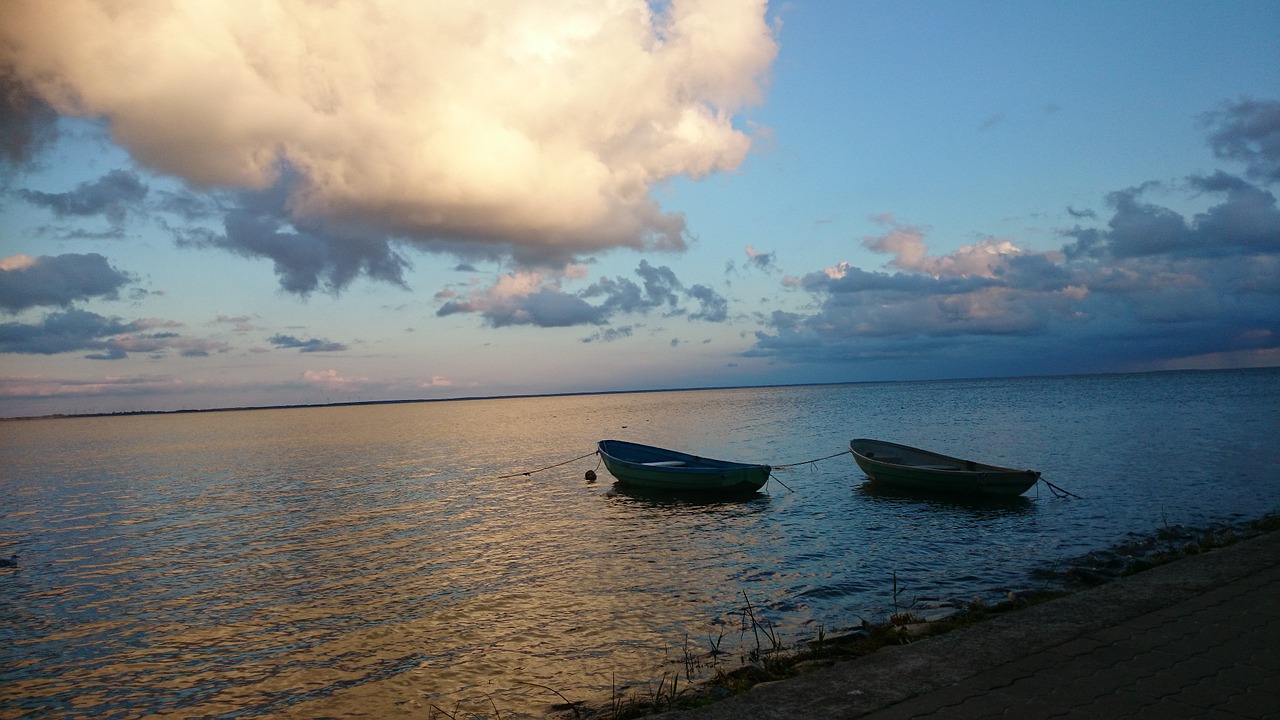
<point>771,664</point>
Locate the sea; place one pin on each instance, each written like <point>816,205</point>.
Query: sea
<point>451,559</point>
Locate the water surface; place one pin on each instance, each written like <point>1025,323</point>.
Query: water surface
<point>373,560</point>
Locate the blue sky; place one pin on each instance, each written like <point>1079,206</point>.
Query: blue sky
<point>276,203</point>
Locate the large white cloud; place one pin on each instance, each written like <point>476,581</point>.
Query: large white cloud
<point>495,121</point>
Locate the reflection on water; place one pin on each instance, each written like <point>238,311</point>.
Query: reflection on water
<point>978,505</point>
<point>372,561</point>
<point>650,498</point>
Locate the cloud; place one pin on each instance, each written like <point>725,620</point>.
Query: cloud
<point>526,298</point>
<point>1151,288</point>
<point>713,306</point>
<point>1248,131</point>
<point>332,379</point>
<point>106,338</point>
<point>761,260</point>
<point>490,125</point>
<point>27,282</point>
<point>158,344</point>
<point>27,123</point>
<point>984,259</point>
<point>112,196</point>
<point>538,298</point>
<point>660,289</point>
<point>609,334</point>
<point>61,332</point>
<point>310,345</point>
<point>42,387</point>
<point>1246,221</point>
<point>240,323</point>
<point>307,255</point>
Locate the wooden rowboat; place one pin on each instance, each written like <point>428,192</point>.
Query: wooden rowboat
<point>900,466</point>
<point>669,470</point>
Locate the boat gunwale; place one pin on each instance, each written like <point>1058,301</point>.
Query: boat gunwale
<point>697,462</point>
<point>968,467</point>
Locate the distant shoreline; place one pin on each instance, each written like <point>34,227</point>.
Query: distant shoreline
<point>357,403</point>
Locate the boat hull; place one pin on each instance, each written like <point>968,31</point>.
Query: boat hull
<point>901,466</point>
<point>654,468</point>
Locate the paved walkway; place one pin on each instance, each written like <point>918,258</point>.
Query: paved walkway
<point>1197,638</point>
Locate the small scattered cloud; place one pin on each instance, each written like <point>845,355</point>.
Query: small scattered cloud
<point>713,307</point>
<point>112,196</point>
<point>332,379</point>
<point>238,323</point>
<point>106,338</point>
<point>310,345</point>
<point>991,122</point>
<point>27,282</point>
<point>538,298</point>
<point>47,387</point>
<point>1248,131</point>
<point>609,334</point>
<point>761,260</point>
<point>982,259</point>
<point>525,298</point>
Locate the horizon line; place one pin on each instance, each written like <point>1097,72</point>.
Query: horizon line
<point>517,396</point>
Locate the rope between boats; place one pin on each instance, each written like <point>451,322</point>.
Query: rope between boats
<point>810,462</point>
<point>530,472</point>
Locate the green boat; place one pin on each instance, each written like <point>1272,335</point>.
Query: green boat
<point>657,468</point>
<point>901,466</point>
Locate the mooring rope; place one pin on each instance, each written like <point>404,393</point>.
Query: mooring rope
<point>806,462</point>
<point>530,472</point>
<point>810,462</point>
<point>1060,492</point>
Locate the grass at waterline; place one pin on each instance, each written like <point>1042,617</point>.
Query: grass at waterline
<point>701,678</point>
<point>769,662</point>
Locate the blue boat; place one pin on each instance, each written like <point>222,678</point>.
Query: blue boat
<point>657,468</point>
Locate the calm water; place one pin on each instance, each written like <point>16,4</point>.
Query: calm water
<point>370,562</point>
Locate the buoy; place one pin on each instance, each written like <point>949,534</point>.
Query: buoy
<point>591,476</point>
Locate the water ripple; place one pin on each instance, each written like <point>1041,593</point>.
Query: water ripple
<point>348,562</point>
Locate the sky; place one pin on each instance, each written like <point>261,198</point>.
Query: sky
<point>227,204</point>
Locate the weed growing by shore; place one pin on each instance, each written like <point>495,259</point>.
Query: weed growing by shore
<point>770,660</point>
